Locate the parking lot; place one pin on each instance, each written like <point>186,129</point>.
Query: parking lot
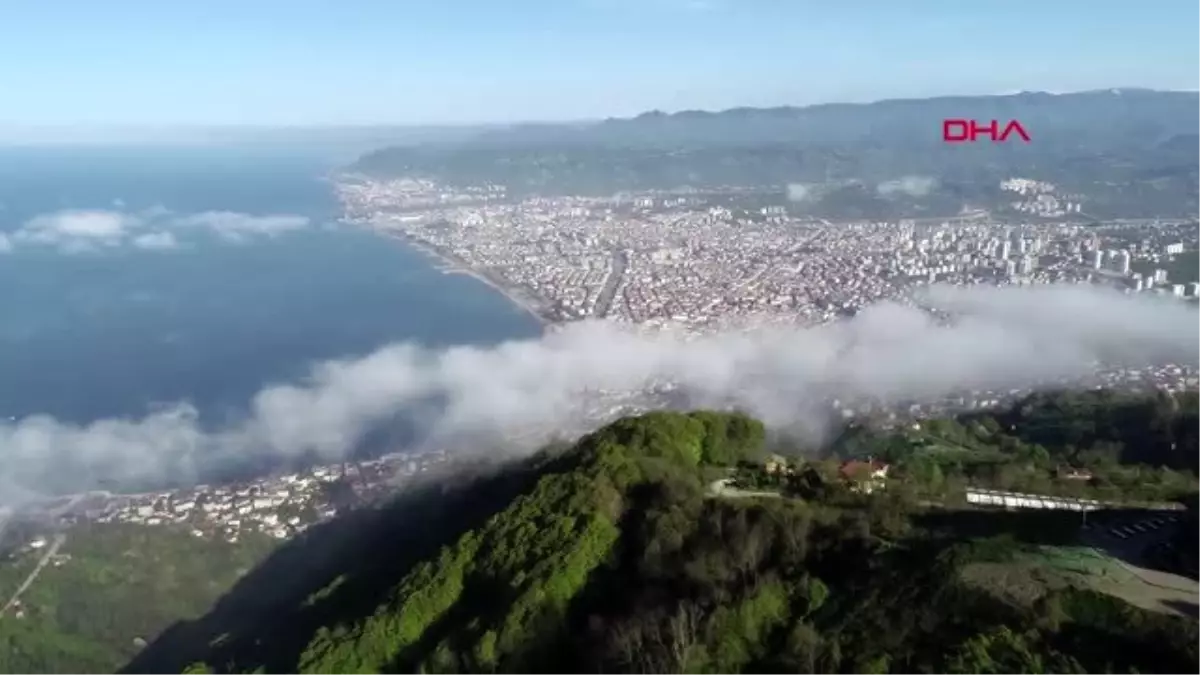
<point>1138,528</point>
<point>1136,538</point>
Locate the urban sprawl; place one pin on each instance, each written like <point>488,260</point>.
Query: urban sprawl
<point>689,260</point>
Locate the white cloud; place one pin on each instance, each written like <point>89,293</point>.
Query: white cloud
<point>73,231</point>
<point>238,227</point>
<point>1003,339</point>
<point>90,224</point>
<point>80,231</point>
<point>155,241</point>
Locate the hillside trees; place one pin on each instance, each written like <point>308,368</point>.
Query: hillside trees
<point>610,556</point>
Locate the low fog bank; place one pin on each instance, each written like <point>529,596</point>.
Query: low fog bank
<point>914,186</point>
<point>999,339</point>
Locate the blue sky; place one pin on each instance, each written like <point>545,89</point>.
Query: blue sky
<point>171,62</point>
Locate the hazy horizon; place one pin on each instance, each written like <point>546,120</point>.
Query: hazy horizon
<point>17,135</point>
<point>135,62</point>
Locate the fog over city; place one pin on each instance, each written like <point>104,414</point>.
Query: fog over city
<point>999,339</point>
<point>914,186</point>
<point>917,186</point>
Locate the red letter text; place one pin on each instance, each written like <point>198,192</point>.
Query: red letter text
<point>990,129</point>
<point>1014,126</point>
<point>949,136</point>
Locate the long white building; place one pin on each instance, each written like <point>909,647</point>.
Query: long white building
<point>1020,500</point>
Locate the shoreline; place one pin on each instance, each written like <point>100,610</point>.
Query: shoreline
<point>452,264</point>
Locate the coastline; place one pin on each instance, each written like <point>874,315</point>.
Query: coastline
<point>452,264</point>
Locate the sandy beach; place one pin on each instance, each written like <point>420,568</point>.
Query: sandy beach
<point>452,264</point>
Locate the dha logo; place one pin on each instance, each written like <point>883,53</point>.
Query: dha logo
<point>967,131</point>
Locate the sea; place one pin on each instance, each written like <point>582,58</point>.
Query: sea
<point>96,324</point>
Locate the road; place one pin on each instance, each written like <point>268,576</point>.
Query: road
<point>605,299</point>
<point>59,540</point>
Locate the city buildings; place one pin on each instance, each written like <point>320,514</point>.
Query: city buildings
<point>697,264</point>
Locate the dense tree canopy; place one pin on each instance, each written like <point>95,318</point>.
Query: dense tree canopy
<point>617,554</point>
<point>612,556</point>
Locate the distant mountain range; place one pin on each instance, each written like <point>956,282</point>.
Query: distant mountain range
<point>1131,115</point>
<point>1141,144</point>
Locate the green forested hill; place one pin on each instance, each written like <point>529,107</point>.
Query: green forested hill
<point>613,555</point>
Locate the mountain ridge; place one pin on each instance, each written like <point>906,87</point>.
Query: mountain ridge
<point>799,112</point>
<point>792,108</point>
<point>1123,154</point>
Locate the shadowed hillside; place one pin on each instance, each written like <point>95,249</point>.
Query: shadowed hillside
<point>613,556</point>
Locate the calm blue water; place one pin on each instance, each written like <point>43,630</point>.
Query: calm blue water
<point>85,336</point>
